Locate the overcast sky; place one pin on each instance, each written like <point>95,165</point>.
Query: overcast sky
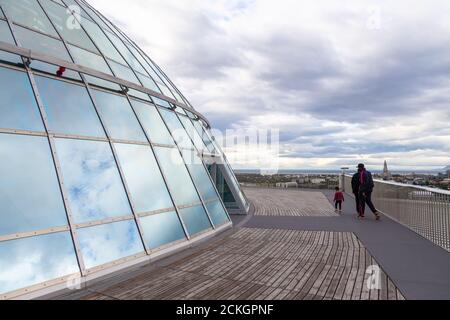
<point>343,81</point>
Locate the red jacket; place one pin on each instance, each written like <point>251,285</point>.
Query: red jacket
<point>339,196</point>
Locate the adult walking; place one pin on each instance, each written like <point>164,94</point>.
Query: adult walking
<point>362,185</point>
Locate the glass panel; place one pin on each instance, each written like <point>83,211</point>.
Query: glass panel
<point>89,59</point>
<point>30,197</point>
<point>119,117</point>
<point>147,187</point>
<point>161,102</point>
<point>148,83</point>
<point>217,213</point>
<point>193,134</point>
<point>69,108</point>
<point>92,180</point>
<point>18,108</point>
<point>28,13</point>
<point>109,242</point>
<point>131,60</point>
<point>102,42</point>
<point>199,175</point>
<point>195,220</point>
<point>42,44</point>
<point>165,91</point>
<point>30,261</point>
<point>123,72</point>
<point>152,123</point>
<point>102,83</point>
<point>6,36</point>
<point>176,128</point>
<point>138,94</point>
<point>162,229</point>
<point>177,176</point>
<point>67,25</point>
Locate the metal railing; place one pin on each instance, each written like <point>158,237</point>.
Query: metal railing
<point>426,211</point>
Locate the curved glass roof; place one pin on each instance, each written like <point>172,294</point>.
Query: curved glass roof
<point>95,174</point>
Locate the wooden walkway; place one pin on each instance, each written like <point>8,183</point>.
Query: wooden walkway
<point>289,202</point>
<point>258,264</point>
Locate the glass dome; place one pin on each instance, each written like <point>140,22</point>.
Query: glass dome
<point>104,163</point>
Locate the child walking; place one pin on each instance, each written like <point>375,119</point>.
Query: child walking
<point>338,200</point>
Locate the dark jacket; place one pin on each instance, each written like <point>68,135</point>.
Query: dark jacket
<point>366,186</point>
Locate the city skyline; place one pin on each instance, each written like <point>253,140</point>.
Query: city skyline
<point>343,82</point>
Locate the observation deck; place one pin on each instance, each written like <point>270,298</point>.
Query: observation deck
<point>294,246</point>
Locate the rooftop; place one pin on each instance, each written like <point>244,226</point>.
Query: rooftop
<point>293,246</point>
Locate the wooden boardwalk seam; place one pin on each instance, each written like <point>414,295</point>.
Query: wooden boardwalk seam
<point>292,203</point>
<point>258,264</point>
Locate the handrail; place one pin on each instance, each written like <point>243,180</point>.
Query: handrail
<point>425,211</point>
<point>33,55</point>
<point>421,188</point>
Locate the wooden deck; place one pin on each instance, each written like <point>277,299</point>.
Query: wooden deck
<point>289,202</point>
<point>258,264</point>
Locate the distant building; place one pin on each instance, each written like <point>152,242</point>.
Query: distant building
<point>287,185</point>
<point>386,173</point>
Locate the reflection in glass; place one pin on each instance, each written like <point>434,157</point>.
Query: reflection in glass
<point>92,180</point>
<point>198,142</point>
<point>147,187</point>
<point>89,59</point>
<point>199,175</point>
<point>30,261</point>
<point>109,242</point>
<point>101,41</point>
<point>69,108</point>
<point>119,117</point>
<point>28,13</point>
<point>217,213</point>
<point>30,198</point>
<point>178,179</point>
<point>152,123</point>
<point>176,128</point>
<point>40,43</point>
<point>123,72</point>
<point>162,229</point>
<point>67,26</point>
<point>18,108</point>
<point>195,220</point>
<point>6,36</point>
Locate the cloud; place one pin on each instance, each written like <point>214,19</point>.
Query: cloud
<point>342,81</point>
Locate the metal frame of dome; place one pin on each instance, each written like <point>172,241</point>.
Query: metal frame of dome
<point>28,58</point>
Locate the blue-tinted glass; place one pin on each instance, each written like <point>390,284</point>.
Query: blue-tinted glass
<point>89,59</point>
<point>177,176</point>
<point>119,117</point>
<point>30,261</point>
<point>195,220</point>
<point>162,229</point>
<point>160,102</point>
<point>41,44</point>
<point>193,134</point>
<point>69,108</point>
<point>102,83</point>
<point>143,177</point>
<point>6,36</point>
<point>30,198</point>
<point>18,108</point>
<point>101,40</point>
<point>131,60</point>
<point>217,213</point>
<point>92,180</point>
<point>109,242</point>
<point>176,128</point>
<point>152,123</point>
<point>123,72</point>
<point>67,26</point>
<point>28,13</point>
<point>199,175</point>
<point>148,83</point>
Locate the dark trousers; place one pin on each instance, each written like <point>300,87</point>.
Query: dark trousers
<point>363,198</point>
<point>338,205</point>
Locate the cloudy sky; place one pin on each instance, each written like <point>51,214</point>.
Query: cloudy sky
<point>343,81</point>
